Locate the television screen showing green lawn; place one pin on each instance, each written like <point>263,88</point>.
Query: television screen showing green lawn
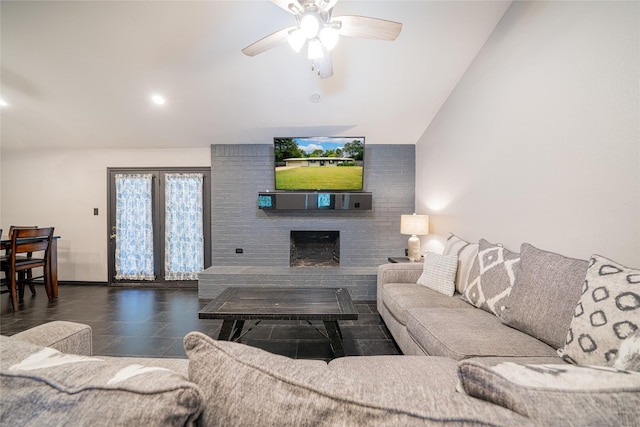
<point>319,163</point>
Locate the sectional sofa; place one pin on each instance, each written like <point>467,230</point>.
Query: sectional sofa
<point>491,338</point>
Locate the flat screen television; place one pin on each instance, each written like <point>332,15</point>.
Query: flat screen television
<point>332,163</point>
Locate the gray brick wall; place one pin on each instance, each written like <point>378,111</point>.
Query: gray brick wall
<point>367,238</point>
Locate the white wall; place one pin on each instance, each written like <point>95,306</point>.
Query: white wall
<point>540,140</point>
<point>61,188</point>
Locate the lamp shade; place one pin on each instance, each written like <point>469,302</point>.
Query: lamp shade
<point>414,224</point>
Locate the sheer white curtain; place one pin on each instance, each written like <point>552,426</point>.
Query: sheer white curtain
<point>184,234</point>
<point>134,227</point>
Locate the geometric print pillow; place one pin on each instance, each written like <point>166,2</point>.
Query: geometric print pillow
<point>607,313</point>
<point>557,395</point>
<point>629,353</point>
<point>43,386</point>
<point>492,277</point>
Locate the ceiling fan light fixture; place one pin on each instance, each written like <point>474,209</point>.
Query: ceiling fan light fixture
<point>329,37</point>
<point>296,40</point>
<point>310,24</point>
<point>315,49</point>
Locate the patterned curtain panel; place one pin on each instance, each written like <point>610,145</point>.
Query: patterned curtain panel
<point>184,235</point>
<point>134,227</point>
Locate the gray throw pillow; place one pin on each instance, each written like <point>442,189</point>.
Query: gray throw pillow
<point>467,253</point>
<point>557,395</point>
<point>492,277</point>
<point>607,313</point>
<point>439,273</point>
<point>47,387</point>
<point>546,292</point>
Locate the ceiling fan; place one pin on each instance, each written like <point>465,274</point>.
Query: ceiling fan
<point>320,31</point>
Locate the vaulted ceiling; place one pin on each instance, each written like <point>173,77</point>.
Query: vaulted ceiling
<point>80,74</point>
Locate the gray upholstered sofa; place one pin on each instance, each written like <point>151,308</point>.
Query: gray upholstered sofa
<point>479,370</point>
<point>473,318</point>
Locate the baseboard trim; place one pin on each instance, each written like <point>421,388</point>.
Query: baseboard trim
<point>81,282</point>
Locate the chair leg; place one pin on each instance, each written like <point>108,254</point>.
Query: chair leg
<point>14,293</point>
<point>20,284</point>
<point>32,288</point>
<point>47,285</point>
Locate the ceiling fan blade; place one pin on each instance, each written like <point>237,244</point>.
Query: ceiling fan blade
<point>368,28</point>
<point>326,4</point>
<point>323,66</point>
<point>266,43</point>
<point>288,5</point>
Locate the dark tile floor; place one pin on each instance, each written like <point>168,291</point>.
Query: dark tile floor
<point>153,322</point>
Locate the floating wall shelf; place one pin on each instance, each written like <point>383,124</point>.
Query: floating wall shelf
<point>348,201</point>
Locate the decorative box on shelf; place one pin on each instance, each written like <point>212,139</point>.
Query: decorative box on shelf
<point>361,201</point>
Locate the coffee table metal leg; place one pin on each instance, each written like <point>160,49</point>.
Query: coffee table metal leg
<point>334,336</point>
<point>230,327</point>
<point>338,328</point>
<point>238,326</point>
<point>225,331</point>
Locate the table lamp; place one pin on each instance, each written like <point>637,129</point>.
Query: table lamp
<point>415,225</point>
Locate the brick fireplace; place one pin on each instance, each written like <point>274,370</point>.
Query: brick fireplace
<point>314,249</point>
<point>366,238</point>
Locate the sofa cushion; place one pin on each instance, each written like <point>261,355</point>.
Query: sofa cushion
<point>558,394</point>
<point>247,386</point>
<point>606,314</point>
<point>492,277</point>
<point>467,253</point>
<point>70,389</point>
<point>546,291</point>
<point>401,297</point>
<point>463,333</point>
<point>439,273</point>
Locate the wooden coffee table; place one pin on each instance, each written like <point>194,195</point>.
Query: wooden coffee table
<point>237,304</point>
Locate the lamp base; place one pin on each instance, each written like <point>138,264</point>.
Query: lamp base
<point>414,248</point>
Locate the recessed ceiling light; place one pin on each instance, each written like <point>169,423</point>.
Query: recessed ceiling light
<point>158,99</point>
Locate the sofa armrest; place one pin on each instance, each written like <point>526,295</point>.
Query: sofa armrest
<point>402,272</point>
<point>67,337</point>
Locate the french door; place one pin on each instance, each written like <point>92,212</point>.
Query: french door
<point>159,225</point>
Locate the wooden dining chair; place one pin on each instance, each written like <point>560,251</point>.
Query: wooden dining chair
<point>23,274</point>
<point>24,241</point>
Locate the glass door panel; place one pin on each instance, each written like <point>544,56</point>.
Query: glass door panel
<point>184,238</point>
<point>134,227</point>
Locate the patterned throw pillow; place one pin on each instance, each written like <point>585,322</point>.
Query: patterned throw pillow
<point>467,253</point>
<point>557,395</point>
<point>439,273</point>
<point>492,277</point>
<point>629,353</point>
<point>47,387</point>
<point>608,312</point>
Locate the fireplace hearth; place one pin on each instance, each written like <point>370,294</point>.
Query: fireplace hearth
<point>315,249</point>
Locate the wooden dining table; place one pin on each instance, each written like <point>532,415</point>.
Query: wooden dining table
<point>53,265</point>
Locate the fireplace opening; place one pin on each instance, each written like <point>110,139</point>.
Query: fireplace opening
<point>315,249</point>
